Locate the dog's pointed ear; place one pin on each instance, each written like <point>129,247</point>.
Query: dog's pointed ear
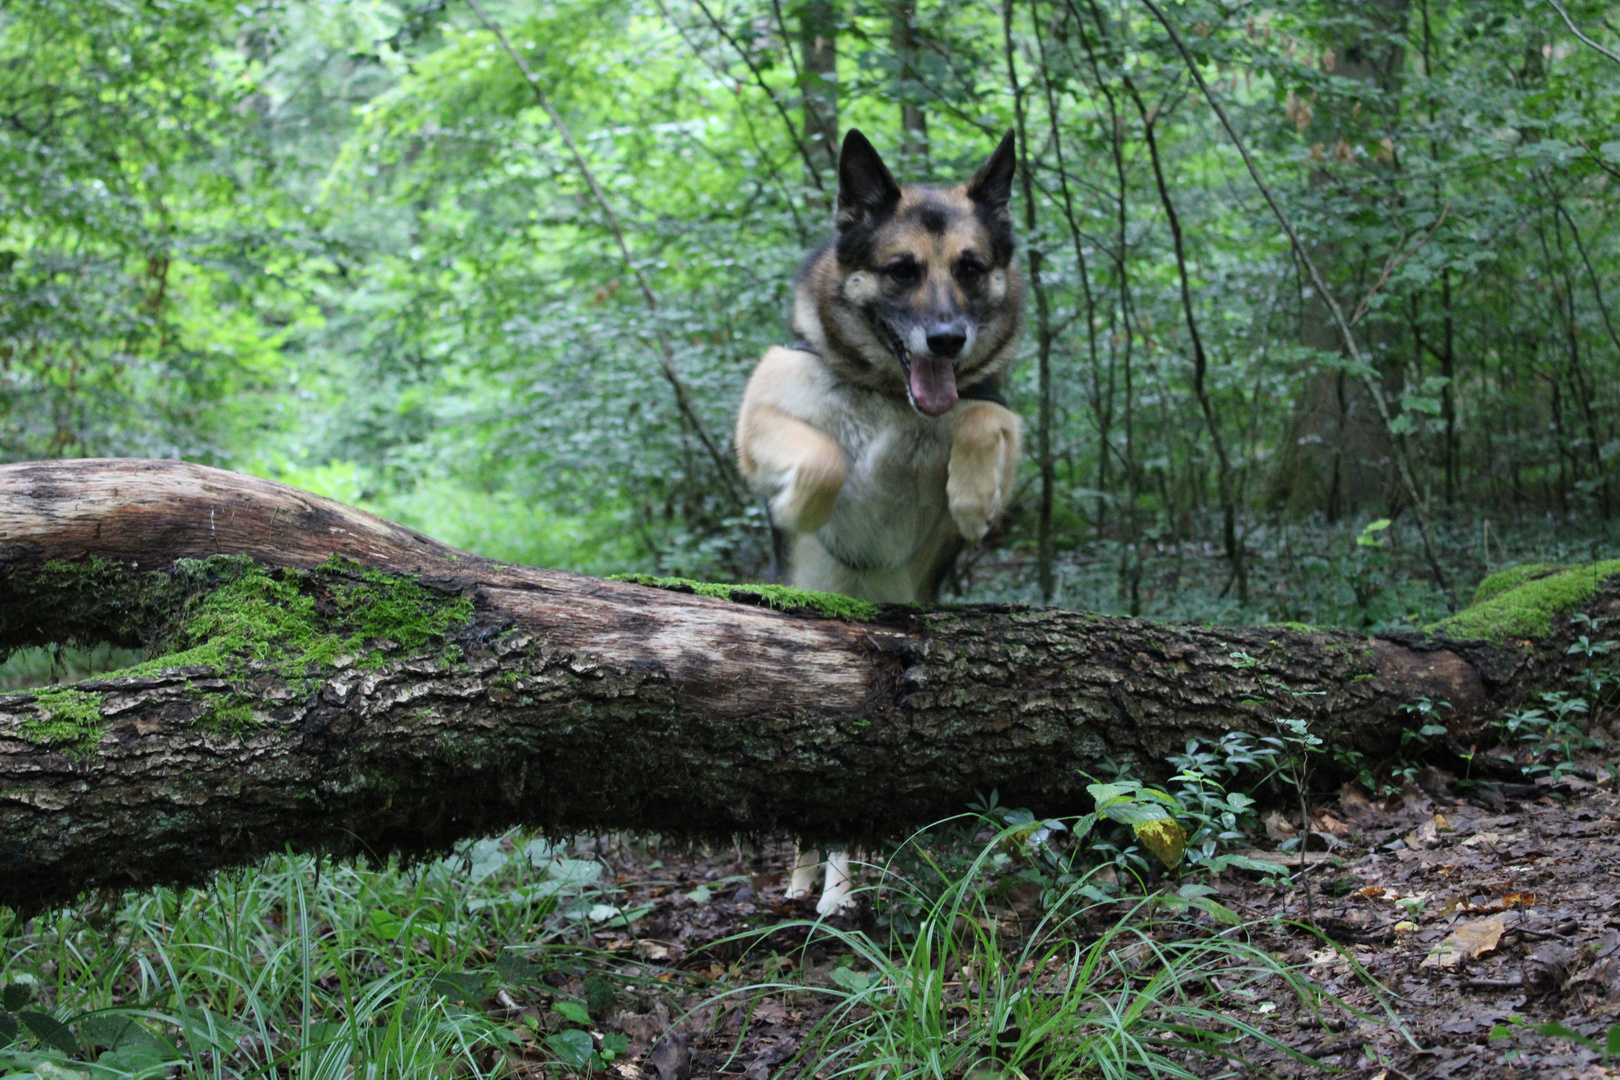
<point>866,189</point>
<point>991,186</point>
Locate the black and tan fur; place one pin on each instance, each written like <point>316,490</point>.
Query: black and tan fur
<point>870,437</point>
<point>874,437</point>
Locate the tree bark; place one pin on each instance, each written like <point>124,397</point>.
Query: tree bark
<point>551,699</point>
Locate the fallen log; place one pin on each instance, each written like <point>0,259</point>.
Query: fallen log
<point>325,680</point>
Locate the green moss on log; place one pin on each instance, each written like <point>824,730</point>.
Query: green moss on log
<point>780,597</point>
<point>69,719</point>
<point>1526,609</point>
<point>1496,584</point>
<point>303,622</point>
<point>236,619</point>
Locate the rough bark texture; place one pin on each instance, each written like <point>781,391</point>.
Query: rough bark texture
<point>507,694</point>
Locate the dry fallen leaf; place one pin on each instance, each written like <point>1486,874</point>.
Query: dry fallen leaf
<point>1354,802</point>
<point>1423,837</point>
<point>1327,823</point>
<point>1277,826</point>
<point>1473,938</point>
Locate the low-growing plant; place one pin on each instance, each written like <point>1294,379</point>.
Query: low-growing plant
<point>302,968</point>
<point>1170,979</point>
<point>1550,734</point>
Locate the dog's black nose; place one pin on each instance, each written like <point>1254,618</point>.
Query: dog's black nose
<point>946,342</point>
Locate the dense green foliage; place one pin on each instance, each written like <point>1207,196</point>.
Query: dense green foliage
<point>345,245</point>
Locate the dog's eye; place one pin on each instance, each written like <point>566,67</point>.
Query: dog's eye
<point>969,271</point>
<point>904,272</point>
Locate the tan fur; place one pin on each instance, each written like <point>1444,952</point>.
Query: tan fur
<point>984,463</point>
<point>803,466</point>
<point>876,497</point>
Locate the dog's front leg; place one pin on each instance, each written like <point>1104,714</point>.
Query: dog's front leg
<point>799,468</point>
<point>984,462</point>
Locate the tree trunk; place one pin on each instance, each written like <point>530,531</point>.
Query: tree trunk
<point>325,679</point>
<point>1336,457</point>
<point>818,79</point>
<point>908,87</point>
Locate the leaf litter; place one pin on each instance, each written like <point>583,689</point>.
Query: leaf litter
<point>1483,922</point>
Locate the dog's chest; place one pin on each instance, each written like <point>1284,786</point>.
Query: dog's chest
<point>893,497</point>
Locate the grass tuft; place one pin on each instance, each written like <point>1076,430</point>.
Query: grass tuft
<point>971,993</point>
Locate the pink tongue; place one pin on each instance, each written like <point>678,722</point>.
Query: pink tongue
<point>933,385</point>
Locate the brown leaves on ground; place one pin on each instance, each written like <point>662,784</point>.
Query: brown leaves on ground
<point>1468,919</point>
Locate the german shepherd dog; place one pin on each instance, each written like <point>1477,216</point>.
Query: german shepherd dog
<point>879,439</point>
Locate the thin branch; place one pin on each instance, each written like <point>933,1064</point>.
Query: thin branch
<point>683,399</point>
<point>1363,367</point>
<point>1396,264</point>
<point>1591,274</point>
<point>1234,552</point>
<point>759,80</point>
<point>1577,31</point>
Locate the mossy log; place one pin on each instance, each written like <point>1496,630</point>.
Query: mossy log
<point>322,679</point>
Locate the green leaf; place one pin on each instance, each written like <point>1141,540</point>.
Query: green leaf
<point>385,924</point>
<point>8,1029</point>
<point>573,1011</point>
<point>614,1044</point>
<point>466,986</point>
<point>599,994</point>
<point>1104,792</point>
<point>484,858</point>
<point>856,982</point>
<point>515,970</point>
<point>1133,813</point>
<point>1244,862</point>
<point>539,852</point>
<point>1218,911</point>
<point>572,1047</point>
<point>16,996</point>
<point>1560,1031</point>
<point>577,873</point>
<point>50,1031</point>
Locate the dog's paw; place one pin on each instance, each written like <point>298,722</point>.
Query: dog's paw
<point>984,461</point>
<point>836,897</point>
<point>806,501</point>
<point>836,904</point>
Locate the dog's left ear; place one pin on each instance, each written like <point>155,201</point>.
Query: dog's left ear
<point>991,186</point>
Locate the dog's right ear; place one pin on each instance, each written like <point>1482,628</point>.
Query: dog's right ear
<point>866,189</point>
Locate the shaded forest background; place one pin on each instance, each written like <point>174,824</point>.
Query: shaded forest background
<point>347,246</point>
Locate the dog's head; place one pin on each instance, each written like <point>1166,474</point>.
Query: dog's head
<point>917,293</point>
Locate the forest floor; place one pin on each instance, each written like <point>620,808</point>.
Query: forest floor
<point>1470,914</point>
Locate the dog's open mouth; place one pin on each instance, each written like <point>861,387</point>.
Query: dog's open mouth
<point>930,380</point>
